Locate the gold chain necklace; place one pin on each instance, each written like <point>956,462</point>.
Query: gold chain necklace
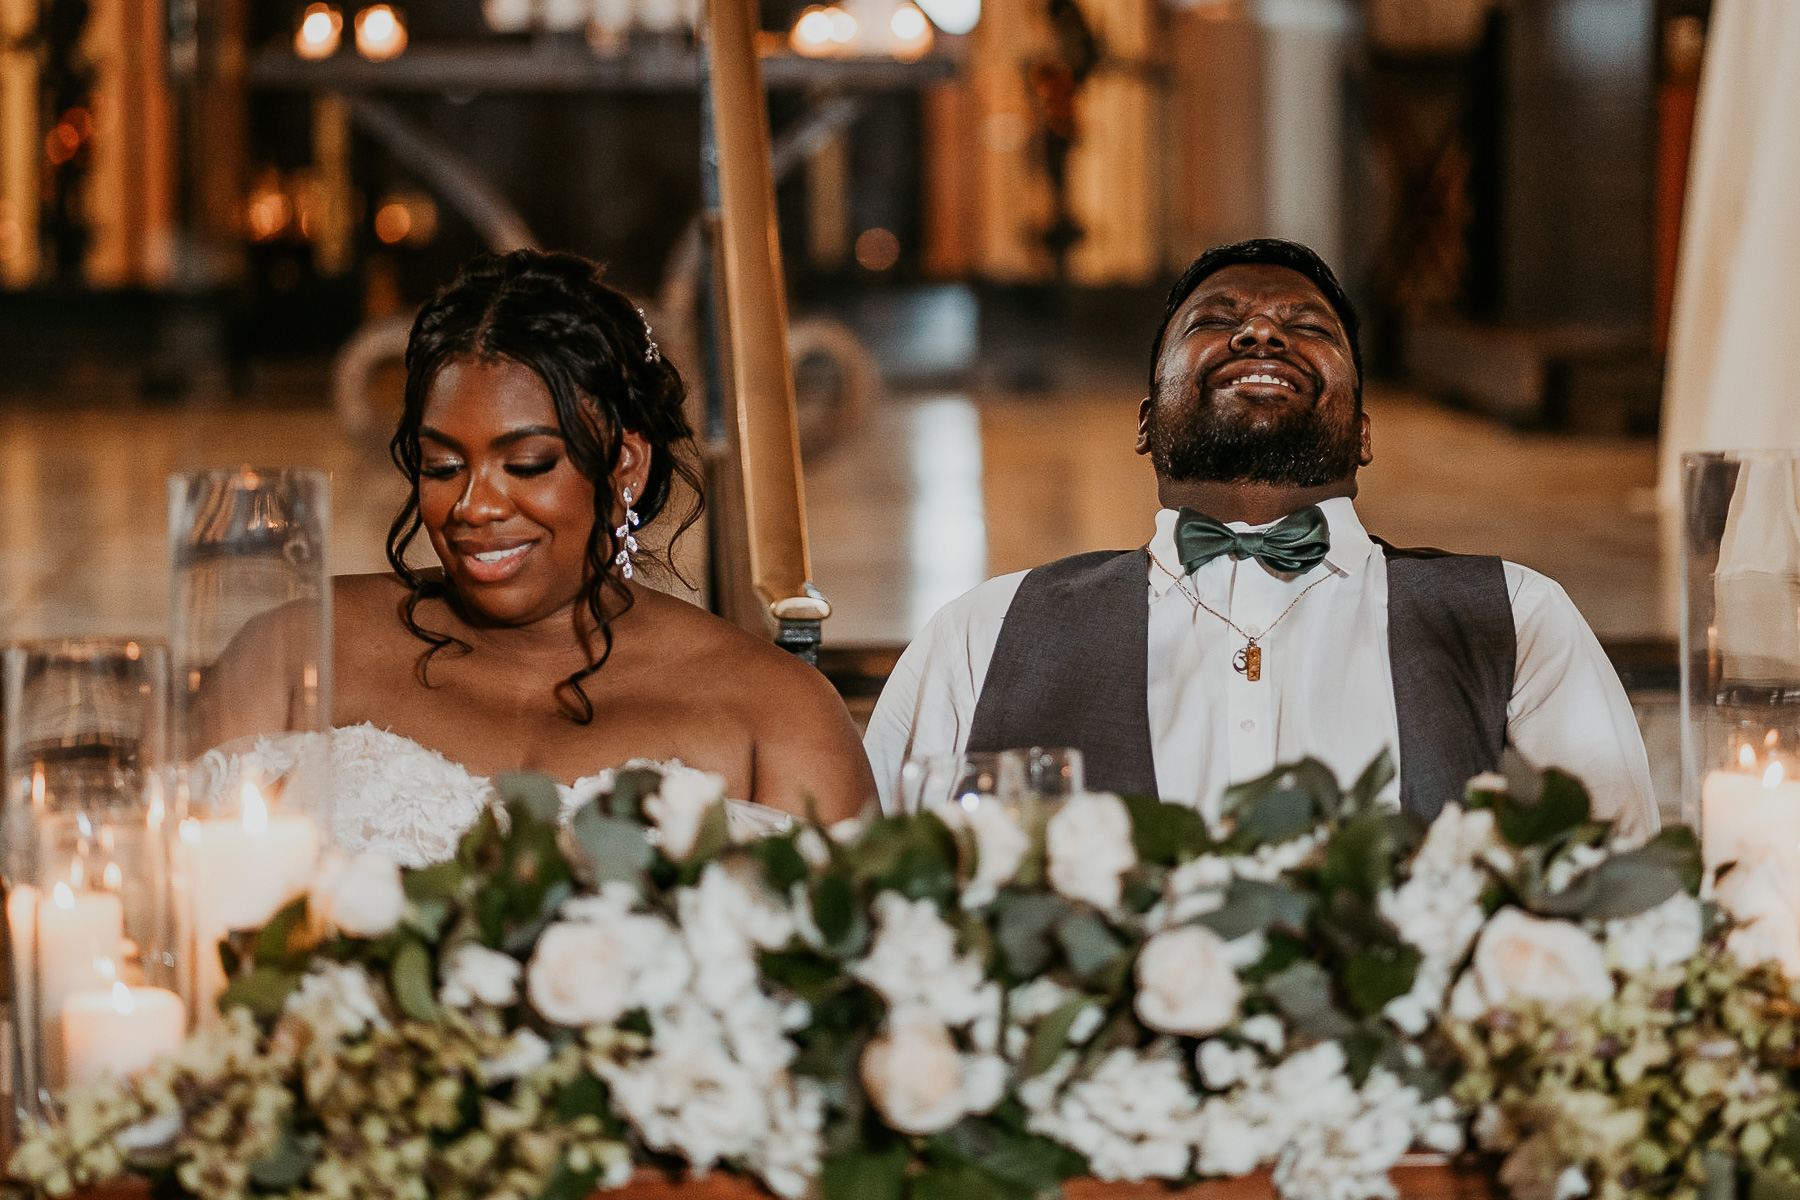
<point>1248,661</point>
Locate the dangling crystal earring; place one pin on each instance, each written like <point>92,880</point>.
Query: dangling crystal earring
<point>628,542</point>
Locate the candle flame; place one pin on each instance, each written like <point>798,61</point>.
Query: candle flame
<point>1772,738</point>
<point>112,879</point>
<point>1746,756</point>
<point>77,872</point>
<point>122,1001</point>
<point>37,786</point>
<point>62,895</point>
<point>105,967</point>
<point>256,809</point>
<point>1772,777</point>
<point>154,817</point>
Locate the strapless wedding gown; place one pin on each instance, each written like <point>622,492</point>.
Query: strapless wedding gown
<point>407,801</point>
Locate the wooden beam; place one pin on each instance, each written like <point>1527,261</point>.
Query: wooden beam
<point>761,375</point>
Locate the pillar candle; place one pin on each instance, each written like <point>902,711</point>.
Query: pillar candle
<point>1748,812</point>
<point>247,868</point>
<point>119,1030</point>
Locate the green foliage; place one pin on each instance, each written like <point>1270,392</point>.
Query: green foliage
<point>263,991</point>
<point>413,985</point>
<point>1166,834</point>
<point>859,1175</point>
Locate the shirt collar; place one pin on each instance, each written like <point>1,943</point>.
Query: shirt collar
<point>1350,542</point>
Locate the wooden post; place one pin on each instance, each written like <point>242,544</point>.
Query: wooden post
<point>761,379</point>
<point>21,145</point>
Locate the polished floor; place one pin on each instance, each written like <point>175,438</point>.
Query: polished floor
<point>931,494</point>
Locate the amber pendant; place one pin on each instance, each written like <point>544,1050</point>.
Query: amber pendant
<point>1249,662</point>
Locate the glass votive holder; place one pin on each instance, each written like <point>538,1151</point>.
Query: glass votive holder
<point>1740,653</point>
<point>94,950</point>
<point>250,633</point>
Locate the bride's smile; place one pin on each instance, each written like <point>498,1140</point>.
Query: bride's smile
<point>508,512</point>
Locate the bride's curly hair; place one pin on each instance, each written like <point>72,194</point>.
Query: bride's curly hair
<point>550,312</point>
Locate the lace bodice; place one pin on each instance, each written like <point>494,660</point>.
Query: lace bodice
<point>411,803</point>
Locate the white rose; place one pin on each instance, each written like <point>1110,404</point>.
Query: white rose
<point>1089,846</point>
<point>362,896</point>
<point>914,1075</point>
<point>1521,957</point>
<point>473,974</point>
<point>1762,893</point>
<point>1186,983</point>
<point>579,975</point>
<point>679,807</point>
<point>1662,937</point>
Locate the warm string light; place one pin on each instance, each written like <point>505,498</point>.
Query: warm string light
<point>866,28</point>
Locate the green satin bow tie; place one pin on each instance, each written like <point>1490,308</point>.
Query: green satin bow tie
<point>1292,546</point>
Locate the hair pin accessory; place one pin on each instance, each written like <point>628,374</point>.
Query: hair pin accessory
<point>652,352</point>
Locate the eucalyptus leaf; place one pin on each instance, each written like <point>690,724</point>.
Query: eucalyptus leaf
<point>569,1184</point>
<point>413,990</point>
<point>629,789</point>
<point>1362,853</point>
<point>713,838</point>
<point>1622,886</point>
<point>781,862</point>
<point>1087,942</point>
<point>1377,775</point>
<point>263,991</point>
<point>613,848</point>
<point>428,917</point>
<point>808,975</point>
<point>285,1167</point>
<point>1251,906</point>
<point>1303,993</point>
<point>840,918</point>
<point>1378,975</point>
<point>1309,777</point>
<point>1009,1155</point>
<point>534,795</point>
<point>1561,805</point>
<point>272,944</point>
<point>859,1175</point>
<point>1051,1037</point>
<point>1024,925</point>
<point>442,881</point>
<point>1277,816</point>
<point>966,1183</point>
<point>1166,833</point>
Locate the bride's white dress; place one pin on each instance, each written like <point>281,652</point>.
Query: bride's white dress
<point>407,801</point>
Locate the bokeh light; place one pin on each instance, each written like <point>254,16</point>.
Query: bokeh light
<point>380,33</point>
<point>321,28</point>
<point>877,249</point>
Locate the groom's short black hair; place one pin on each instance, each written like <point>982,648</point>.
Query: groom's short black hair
<point>1276,252</point>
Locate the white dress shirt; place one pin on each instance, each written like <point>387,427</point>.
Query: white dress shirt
<point>1326,688</point>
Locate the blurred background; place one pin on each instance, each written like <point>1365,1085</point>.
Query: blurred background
<point>217,217</point>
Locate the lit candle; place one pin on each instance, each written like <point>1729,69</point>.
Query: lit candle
<point>246,869</point>
<point>119,1030</point>
<point>1749,811</point>
<point>243,870</point>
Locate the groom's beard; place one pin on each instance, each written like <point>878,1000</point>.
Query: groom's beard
<point>1300,447</point>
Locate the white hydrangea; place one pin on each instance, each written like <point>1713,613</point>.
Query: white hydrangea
<point>1088,845</point>
<point>1134,1118</point>
<point>913,963</point>
<point>679,806</point>
<point>1655,940</point>
<point>788,1159</point>
<point>726,918</point>
<point>474,974</point>
<point>525,1053</point>
<point>1437,910</point>
<point>689,1095</point>
<point>1327,1138</point>
<point>1271,862</point>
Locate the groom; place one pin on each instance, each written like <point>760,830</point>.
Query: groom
<point>1262,623</point>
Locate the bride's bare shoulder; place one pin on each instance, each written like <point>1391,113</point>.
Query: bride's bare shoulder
<point>367,600</point>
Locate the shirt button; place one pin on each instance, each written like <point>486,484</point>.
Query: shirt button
<point>1253,630</point>
<point>1246,725</point>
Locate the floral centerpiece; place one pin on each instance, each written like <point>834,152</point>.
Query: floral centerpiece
<point>984,1003</point>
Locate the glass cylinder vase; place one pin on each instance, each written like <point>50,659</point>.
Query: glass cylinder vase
<point>95,952</point>
<point>250,639</point>
<point>1740,653</point>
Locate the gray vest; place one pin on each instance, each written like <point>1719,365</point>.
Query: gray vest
<point>1071,668</point>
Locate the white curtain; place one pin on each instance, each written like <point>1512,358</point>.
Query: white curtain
<point>1734,348</point>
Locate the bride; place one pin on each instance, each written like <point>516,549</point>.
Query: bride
<point>542,431</point>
